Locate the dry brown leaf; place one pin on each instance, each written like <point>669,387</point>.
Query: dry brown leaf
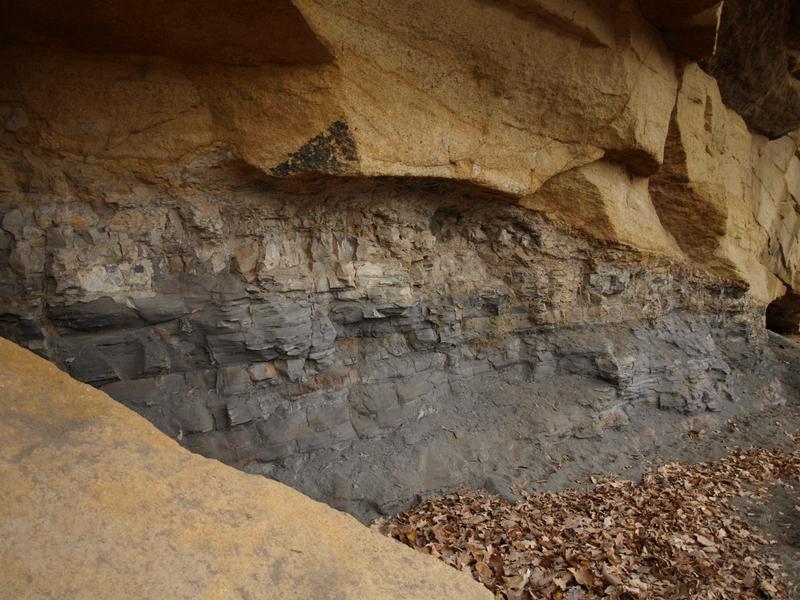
<point>583,576</point>
<point>704,540</point>
<point>562,580</point>
<point>769,589</point>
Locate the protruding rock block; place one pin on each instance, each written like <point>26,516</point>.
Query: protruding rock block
<point>723,193</point>
<point>510,94</point>
<point>605,201</point>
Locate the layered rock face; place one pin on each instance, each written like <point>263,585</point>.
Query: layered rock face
<point>372,256</point>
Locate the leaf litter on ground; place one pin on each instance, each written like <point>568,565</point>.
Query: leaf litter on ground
<point>674,534</point>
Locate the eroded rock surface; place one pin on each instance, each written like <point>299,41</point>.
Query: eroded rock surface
<point>373,256</point>
<point>729,197</point>
<point>754,63</point>
<point>275,329</point>
<point>456,102</point>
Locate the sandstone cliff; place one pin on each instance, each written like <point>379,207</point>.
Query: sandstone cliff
<point>377,248</point>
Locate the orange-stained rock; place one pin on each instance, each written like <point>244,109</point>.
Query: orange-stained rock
<point>605,201</point>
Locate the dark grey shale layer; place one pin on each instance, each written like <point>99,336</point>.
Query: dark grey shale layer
<point>365,341</point>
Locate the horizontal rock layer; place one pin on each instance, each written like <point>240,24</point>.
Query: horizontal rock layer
<point>270,328</point>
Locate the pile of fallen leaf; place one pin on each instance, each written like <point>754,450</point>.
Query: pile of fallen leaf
<point>675,534</point>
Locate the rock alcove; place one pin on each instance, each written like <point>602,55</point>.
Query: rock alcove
<point>340,245</point>
<point>783,315</point>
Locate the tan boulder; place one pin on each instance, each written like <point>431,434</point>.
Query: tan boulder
<point>493,98</point>
<point>583,19</point>
<point>605,201</point>
<point>96,503</point>
<point>776,200</point>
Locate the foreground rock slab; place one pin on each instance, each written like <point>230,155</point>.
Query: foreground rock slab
<point>96,503</point>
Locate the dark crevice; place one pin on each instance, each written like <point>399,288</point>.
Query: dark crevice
<point>783,314</point>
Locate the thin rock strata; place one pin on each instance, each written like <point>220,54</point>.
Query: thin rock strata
<point>276,330</point>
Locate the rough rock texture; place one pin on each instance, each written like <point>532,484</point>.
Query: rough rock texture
<point>283,331</point>
<point>754,63</point>
<point>455,102</point>
<point>372,256</point>
<point>98,504</point>
<point>689,26</point>
<point>730,198</point>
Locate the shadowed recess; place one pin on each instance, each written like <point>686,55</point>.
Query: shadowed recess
<point>751,63</point>
<point>238,32</point>
<point>783,314</point>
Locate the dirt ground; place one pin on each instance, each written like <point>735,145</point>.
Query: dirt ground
<point>728,527</point>
<point>700,438</point>
<point>778,520</point>
<point>776,517</point>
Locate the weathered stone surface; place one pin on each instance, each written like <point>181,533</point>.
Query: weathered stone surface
<point>613,206</point>
<point>724,193</point>
<point>373,256</point>
<point>253,33</point>
<point>359,91</point>
<point>129,514</point>
<point>387,311</point>
<point>690,26</point>
<point>751,63</point>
